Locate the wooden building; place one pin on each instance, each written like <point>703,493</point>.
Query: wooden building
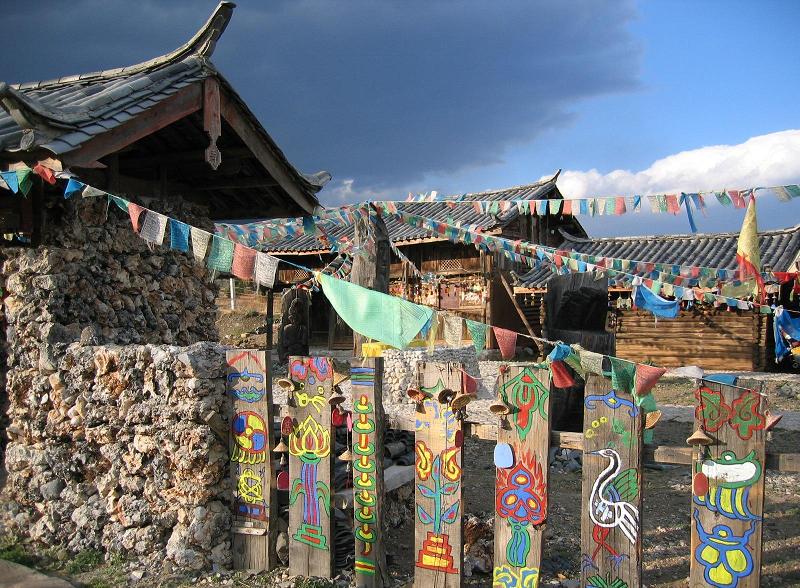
<point>457,277</point>
<point>171,127</point>
<point>715,338</point>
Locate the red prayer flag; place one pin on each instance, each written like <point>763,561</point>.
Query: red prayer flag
<point>45,172</point>
<point>736,198</point>
<point>619,207</point>
<point>566,208</point>
<point>244,260</point>
<point>135,212</point>
<point>646,377</point>
<point>506,341</point>
<point>561,376</point>
<point>672,203</point>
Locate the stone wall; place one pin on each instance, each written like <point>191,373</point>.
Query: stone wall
<point>400,369</point>
<point>128,454</point>
<point>108,446</point>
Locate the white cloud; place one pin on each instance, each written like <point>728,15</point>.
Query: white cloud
<point>765,160</point>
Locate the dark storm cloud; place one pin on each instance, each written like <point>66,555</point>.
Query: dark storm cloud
<point>381,92</point>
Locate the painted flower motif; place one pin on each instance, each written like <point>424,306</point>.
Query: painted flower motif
<point>298,370</point>
<point>423,461</point>
<point>321,366</point>
<point>746,417</point>
<point>711,409</point>
<point>451,470</point>
<point>310,441</point>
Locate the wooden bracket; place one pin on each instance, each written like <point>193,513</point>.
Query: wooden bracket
<point>211,121</point>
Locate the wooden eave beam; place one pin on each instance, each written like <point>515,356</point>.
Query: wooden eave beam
<point>236,184</point>
<point>239,122</point>
<point>185,102</point>
<point>191,156</point>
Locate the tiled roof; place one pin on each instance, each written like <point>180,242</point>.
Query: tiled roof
<point>78,108</point>
<point>401,233</point>
<point>779,250</point>
<point>62,114</point>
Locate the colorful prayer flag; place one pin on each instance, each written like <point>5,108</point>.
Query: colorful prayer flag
<point>748,256</point>
<point>478,333</point>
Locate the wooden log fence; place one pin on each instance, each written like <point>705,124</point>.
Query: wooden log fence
<point>728,461</point>
<point>311,444</point>
<point>252,473</point>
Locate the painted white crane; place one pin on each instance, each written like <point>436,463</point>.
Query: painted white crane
<point>606,507</point>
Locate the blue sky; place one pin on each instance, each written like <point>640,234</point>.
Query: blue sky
<point>462,96</point>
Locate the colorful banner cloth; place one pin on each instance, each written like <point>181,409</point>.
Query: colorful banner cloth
<point>154,227</point>
<point>478,333</point>
<point>646,377</point>
<point>265,268</point>
<point>379,316</point>
<point>453,329</point>
<point>645,299</point>
<point>200,240</point>
<point>178,235</point>
<point>561,376</point>
<point>244,261</point>
<point>785,327</point>
<point>506,341</point>
<point>221,256</point>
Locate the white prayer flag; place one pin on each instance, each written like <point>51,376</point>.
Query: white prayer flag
<point>264,273</point>
<point>453,329</point>
<point>89,192</point>
<point>154,227</point>
<point>200,240</point>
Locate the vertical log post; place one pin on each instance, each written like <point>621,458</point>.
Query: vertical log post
<point>438,529</point>
<point>611,528</point>
<point>252,470</point>
<point>371,264</point>
<point>368,491</point>
<point>521,459</point>
<point>728,486</point>
<point>311,444</point>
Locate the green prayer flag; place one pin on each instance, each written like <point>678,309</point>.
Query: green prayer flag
<point>24,180</point>
<point>388,319</point>
<point>623,374</point>
<point>573,360</point>
<point>478,333</point>
<point>723,198</point>
<point>121,203</point>
<point>221,256</point>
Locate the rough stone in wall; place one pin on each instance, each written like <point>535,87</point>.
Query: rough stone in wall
<point>400,368</point>
<point>91,276</point>
<point>122,448</point>
<point>88,277</point>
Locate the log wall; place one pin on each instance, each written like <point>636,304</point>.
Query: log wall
<point>711,338</point>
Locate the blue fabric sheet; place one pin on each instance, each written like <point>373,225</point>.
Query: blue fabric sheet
<point>660,307</point>
<point>560,352</point>
<point>178,235</point>
<point>73,187</point>
<point>785,325</point>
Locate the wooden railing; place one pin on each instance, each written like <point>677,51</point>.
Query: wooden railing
<point>728,460</point>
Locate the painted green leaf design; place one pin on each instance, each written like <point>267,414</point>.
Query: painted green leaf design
<point>627,484</point>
